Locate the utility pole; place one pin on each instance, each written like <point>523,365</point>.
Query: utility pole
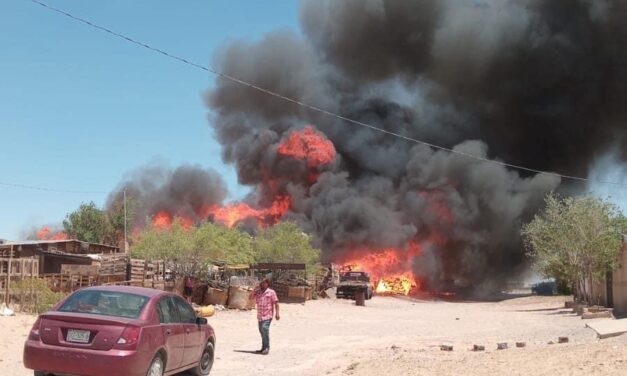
<point>7,296</point>
<point>125,240</point>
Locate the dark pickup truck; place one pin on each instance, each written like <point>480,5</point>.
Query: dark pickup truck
<point>350,282</point>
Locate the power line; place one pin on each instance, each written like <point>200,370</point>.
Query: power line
<point>315,108</point>
<point>45,189</point>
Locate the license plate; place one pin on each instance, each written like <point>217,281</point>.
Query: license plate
<point>78,336</point>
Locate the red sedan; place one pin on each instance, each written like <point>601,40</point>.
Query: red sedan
<point>119,330</point>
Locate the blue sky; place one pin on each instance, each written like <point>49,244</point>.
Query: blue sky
<point>81,108</point>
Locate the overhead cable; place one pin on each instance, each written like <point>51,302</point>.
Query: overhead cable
<point>315,108</point>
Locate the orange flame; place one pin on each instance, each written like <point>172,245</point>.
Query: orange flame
<point>310,145</point>
<point>233,214</point>
<point>46,234</point>
<point>389,269</point>
<point>164,220</point>
<point>230,215</point>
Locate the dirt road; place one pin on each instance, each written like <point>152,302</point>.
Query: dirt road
<point>398,337</point>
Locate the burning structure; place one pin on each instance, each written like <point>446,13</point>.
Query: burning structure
<point>538,83</point>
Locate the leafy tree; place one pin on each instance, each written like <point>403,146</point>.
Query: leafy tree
<point>89,224</point>
<point>576,240</point>
<point>192,249</point>
<point>220,243</point>
<point>158,244</point>
<point>286,242</point>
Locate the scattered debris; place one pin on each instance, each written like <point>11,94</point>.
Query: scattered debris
<point>597,313</point>
<point>578,308</point>
<point>608,328</point>
<point>352,367</point>
<point>6,311</point>
<point>329,293</point>
<point>501,346</point>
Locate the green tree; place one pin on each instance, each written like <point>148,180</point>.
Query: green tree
<point>576,240</point>
<point>88,223</point>
<point>192,249</point>
<point>158,244</point>
<point>286,242</point>
<point>220,243</point>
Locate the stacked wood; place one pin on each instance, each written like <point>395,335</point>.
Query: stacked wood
<point>159,270</point>
<point>68,283</point>
<point>87,270</point>
<point>218,284</point>
<point>113,265</point>
<point>137,271</point>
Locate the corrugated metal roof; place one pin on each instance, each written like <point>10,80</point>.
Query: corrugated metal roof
<point>33,242</point>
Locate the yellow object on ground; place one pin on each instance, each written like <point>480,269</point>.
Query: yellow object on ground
<point>205,311</point>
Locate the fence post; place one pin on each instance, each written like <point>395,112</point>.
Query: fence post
<point>7,297</point>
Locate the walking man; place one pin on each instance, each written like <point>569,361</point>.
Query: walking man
<point>267,307</point>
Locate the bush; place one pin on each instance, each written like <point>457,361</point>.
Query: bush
<point>563,287</point>
<point>36,296</point>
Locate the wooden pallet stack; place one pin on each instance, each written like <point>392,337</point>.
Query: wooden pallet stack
<point>159,271</point>
<point>149,274</point>
<point>137,272</point>
<point>112,268</point>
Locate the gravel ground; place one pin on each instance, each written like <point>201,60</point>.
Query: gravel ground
<point>397,336</point>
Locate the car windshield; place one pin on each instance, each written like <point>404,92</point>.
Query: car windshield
<point>107,303</point>
<point>355,276</point>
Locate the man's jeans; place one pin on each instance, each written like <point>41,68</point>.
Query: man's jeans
<point>264,329</point>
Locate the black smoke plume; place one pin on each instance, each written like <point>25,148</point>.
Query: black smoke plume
<point>184,191</point>
<point>539,83</point>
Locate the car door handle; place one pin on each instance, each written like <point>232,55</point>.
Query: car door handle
<point>168,332</point>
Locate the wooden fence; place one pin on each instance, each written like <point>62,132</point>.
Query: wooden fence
<point>13,270</point>
<point>110,270</point>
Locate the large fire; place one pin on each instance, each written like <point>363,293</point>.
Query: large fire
<point>233,214</point>
<point>389,269</point>
<point>46,234</point>
<point>229,215</point>
<point>164,220</point>
<point>308,145</point>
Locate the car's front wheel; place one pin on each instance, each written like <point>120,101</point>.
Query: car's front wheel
<point>206,361</point>
<point>156,367</point>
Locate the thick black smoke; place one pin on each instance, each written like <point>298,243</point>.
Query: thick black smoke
<point>184,191</point>
<point>539,83</point>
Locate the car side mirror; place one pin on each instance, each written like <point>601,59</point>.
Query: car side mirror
<point>201,321</point>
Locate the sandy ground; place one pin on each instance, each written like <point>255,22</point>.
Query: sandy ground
<point>396,336</point>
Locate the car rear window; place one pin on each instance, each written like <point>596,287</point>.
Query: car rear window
<point>107,303</point>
